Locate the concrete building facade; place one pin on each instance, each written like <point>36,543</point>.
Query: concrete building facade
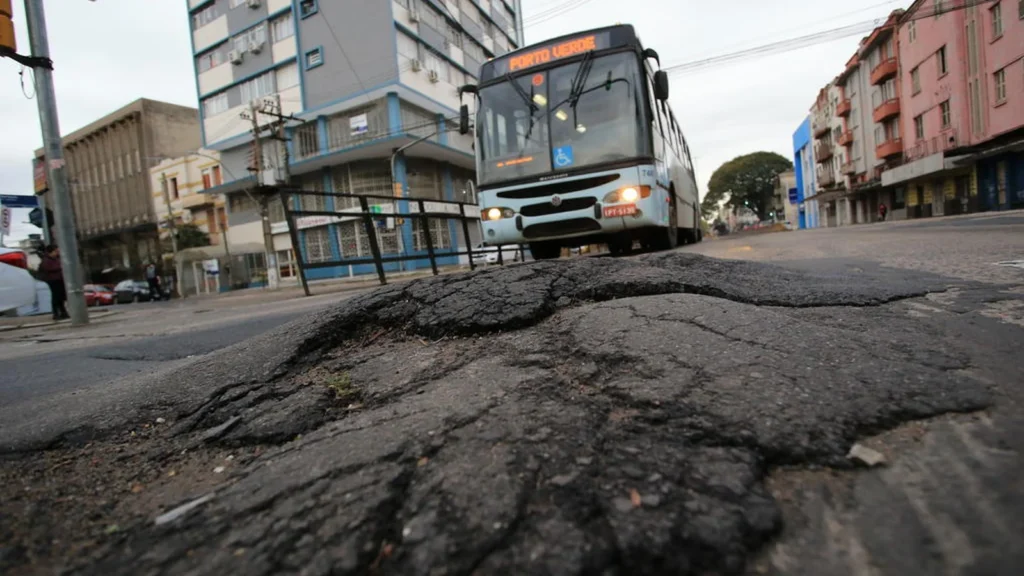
<point>111,190</point>
<point>806,181</point>
<point>178,190</point>
<point>363,79</point>
<point>962,75</point>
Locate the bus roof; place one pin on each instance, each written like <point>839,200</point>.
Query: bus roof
<point>566,46</point>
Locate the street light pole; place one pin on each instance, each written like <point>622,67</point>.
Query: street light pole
<point>67,238</point>
<point>173,228</point>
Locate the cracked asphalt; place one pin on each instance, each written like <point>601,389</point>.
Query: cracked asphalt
<point>662,414</point>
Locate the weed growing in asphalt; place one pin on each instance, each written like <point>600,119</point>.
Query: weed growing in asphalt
<point>341,385</point>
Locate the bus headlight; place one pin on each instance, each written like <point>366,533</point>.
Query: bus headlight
<point>628,194</point>
<point>498,213</point>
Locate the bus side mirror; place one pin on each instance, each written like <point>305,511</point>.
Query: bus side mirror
<point>661,85</point>
<point>464,119</point>
<point>650,53</point>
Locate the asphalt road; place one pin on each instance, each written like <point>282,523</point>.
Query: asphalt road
<point>140,339</point>
<point>659,414</point>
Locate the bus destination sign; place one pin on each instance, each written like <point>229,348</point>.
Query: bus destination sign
<point>559,50</point>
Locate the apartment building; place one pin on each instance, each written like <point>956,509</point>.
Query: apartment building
<point>805,174</point>
<point>364,79</point>
<point>178,191</point>
<point>962,77</point>
<point>111,192</point>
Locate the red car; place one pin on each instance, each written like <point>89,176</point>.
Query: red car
<point>96,295</point>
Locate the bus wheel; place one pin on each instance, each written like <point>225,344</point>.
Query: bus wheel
<point>667,238</point>
<point>545,250</point>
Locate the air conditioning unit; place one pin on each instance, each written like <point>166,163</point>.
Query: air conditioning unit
<point>414,16</point>
<point>235,56</point>
<point>254,3</point>
<point>433,76</point>
<point>417,65</point>
<point>255,47</point>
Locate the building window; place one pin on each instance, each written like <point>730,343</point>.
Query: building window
<point>258,87</point>
<point>217,180</point>
<point>307,8</point>
<point>282,27</point>
<point>997,20</point>
<point>207,178</point>
<point>944,113</point>
<point>912,31</point>
<point>318,245</point>
<point>919,127</point>
<point>915,81</point>
<point>314,58</point>
<point>287,76</point>
<point>172,188</point>
<point>237,3</point>
<point>1000,85</point>
<point>940,58</point>
<point>211,59</point>
<point>205,16</point>
<point>215,105</point>
<point>255,35</point>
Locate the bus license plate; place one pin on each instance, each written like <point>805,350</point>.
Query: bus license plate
<point>620,210</point>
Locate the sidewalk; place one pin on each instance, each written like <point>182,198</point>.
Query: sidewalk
<point>44,320</point>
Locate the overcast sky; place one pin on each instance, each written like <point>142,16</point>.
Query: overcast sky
<point>109,52</point>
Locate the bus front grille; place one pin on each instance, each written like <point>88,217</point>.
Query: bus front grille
<point>558,187</point>
<point>574,226</point>
<point>567,205</point>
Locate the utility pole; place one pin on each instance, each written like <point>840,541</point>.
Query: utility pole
<point>270,255</point>
<point>173,227</point>
<point>66,234</point>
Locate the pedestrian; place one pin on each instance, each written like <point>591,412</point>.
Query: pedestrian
<point>153,280</point>
<point>882,211</point>
<point>51,272</point>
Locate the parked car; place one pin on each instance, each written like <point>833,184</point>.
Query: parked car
<point>17,286</point>
<point>484,255</point>
<point>129,291</point>
<point>97,295</point>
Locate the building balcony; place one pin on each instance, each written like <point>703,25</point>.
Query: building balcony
<point>886,69</point>
<point>846,138</point>
<point>826,178</point>
<point>822,152</point>
<point>850,168</point>
<point>196,201</point>
<point>889,148</point>
<point>888,109</point>
<point>844,108</point>
<point>820,128</point>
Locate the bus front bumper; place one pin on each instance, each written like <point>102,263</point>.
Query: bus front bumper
<point>597,219</point>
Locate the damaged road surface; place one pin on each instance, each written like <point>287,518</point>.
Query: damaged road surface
<point>595,416</point>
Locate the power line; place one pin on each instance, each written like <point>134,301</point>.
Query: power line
<point>812,39</point>
<point>553,13</point>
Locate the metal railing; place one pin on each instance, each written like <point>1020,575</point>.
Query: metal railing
<point>369,210</point>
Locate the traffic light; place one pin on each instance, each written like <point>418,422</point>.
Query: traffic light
<point>7,41</point>
<point>35,217</point>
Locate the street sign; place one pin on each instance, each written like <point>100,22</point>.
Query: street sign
<point>35,217</point>
<point>5,221</point>
<point>17,201</point>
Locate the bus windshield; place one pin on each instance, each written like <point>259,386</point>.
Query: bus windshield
<point>573,116</point>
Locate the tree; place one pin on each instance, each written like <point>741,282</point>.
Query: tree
<point>191,236</point>
<point>749,180</point>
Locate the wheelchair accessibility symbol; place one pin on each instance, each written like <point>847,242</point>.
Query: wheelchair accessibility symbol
<point>563,156</point>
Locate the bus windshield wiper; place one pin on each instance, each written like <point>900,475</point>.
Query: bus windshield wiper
<point>580,80</point>
<point>530,103</point>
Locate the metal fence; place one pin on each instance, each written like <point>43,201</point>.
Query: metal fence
<point>375,213</point>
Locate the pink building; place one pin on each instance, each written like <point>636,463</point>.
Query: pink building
<point>962,74</point>
<point>961,86</point>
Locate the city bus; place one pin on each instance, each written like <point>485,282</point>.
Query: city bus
<point>576,145</point>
